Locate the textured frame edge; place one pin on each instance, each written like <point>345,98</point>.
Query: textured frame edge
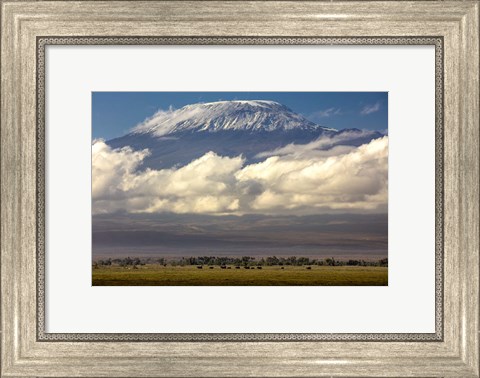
<point>456,356</point>
<point>42,336</point>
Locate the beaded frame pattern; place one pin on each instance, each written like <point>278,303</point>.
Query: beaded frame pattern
<point>42,42</point>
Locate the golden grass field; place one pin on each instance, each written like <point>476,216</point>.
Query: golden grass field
<point>158,275</point>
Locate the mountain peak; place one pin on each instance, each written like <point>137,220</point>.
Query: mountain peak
<point>239,103</point>
<point>237,115</point>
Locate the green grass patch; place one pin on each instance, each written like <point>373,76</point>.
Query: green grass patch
<point>158,275</point>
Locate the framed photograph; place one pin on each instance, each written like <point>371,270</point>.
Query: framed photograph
<point>225,188</point>
<point>240,192</point>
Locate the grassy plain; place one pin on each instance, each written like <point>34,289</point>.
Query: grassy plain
<point>158,275</point>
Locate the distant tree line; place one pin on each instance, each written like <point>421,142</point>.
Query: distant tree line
<point>245,261</point>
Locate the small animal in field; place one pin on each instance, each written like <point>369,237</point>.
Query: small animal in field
<point>223,267</point>
<point>229,267</point>
<point>259,267</point>
<point>282,267</point>
<point>199,267</point>
<point>247,267</point>
<point>309,267</point>
<point>237,267</point>
<point>164,264</point>
<point>211,267</point>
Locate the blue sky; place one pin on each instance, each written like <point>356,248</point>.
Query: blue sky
<point>115,113</point>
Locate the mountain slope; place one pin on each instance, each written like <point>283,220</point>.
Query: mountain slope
<point>226,116</point>
<point>228,128</point>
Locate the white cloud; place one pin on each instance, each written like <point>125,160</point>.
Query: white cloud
<point>369,109</point>
<point>322,144</point>
<point>325,113</point>
<point>158,122</point>
<point>206,185</point>
<point>299,181</point>
<point>110,168</point>
<point>356,179</point>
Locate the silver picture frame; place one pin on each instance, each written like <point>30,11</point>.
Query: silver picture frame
<point>29,27</point>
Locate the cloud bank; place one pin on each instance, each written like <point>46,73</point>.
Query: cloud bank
<point>299,179</point>
<point>322,145</point>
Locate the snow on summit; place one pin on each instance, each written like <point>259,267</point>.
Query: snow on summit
<point>254,115</point>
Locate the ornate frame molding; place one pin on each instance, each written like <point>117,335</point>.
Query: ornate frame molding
<point>43,42</point>
<point>452,351</point>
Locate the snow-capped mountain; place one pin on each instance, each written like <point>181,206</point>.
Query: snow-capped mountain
<point>228,128</point>
<point>257,115</point>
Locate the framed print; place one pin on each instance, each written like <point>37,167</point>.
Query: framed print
<point>240,188</point>
<point>235,179</point>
